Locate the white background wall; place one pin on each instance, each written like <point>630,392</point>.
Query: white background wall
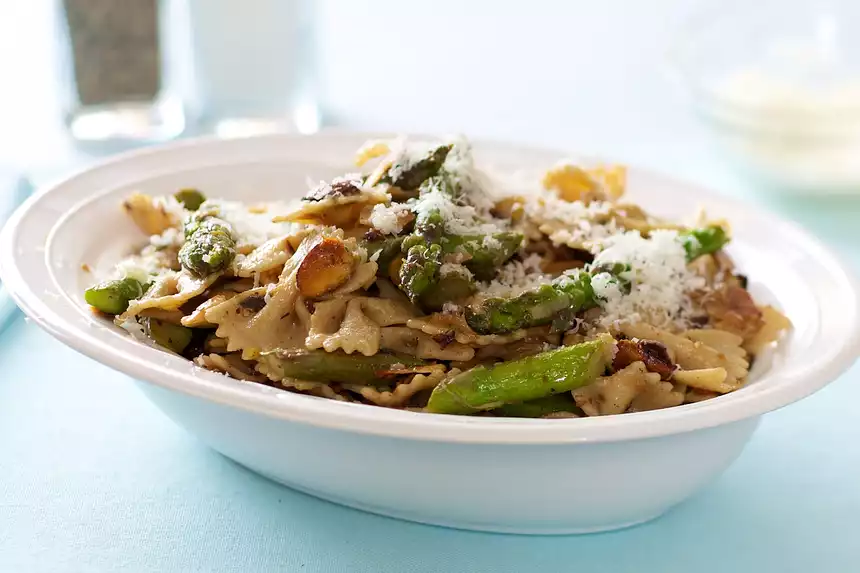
<point>583,74</point>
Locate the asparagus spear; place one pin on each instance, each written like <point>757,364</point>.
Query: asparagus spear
<point>191,199</point>
<point>420,270</point>
<point>487,253</point>
<point>560,301</point>
<point>208,248</point>
<point>171,336</point>
<point>568,293</point>
<point>322,366</point>
<point>410,175</point>
<point>451,288</point>
<point>484,254</point>
<point>704,241</point>
<point>112,297</point>
<point>540,407</point>
<point>517,381</point>
<point>388,250</point>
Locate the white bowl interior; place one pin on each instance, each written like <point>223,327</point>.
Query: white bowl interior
<point>80,221</point>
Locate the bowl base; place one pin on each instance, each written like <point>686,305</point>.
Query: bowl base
<point>463,525</point>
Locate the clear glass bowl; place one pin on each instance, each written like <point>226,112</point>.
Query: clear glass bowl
<point>778,85</point>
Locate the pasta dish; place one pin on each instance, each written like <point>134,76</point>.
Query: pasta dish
<point>429,283</point>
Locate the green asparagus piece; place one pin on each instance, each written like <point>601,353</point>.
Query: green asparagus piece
<point>445,183</point>
<point>112,297</point>
<point>410,175</point>
<point>322,366</point>
<point>388,250</point>
<point>426,248</point>
<point>568,293</point>
<point>420,270</point>
<point>192,222</point>
<point>429,228</point>
<point>698,242</point>
<point>559,302</point>
<point>540,407</point>
<point>191,199</point>
<point>530,378</point>
<point>209,248</point>
<point>171,336</point>
<point>487,253</point>
<point>451,288</point>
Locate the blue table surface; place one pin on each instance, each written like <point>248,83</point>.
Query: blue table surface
<point>94,478</point>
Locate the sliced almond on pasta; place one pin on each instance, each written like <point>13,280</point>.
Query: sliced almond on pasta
<point>327,265</point>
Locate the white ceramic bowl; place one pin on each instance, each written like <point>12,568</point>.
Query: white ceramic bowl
<point>512,475</point>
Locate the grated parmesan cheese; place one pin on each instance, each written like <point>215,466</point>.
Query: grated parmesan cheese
<point>171,237</point>
<point>659,277</point>
<point>256,227</point>
<point>477,184</point>
<point>459,219</point>
<point>516,277</point>
<point>572,223</point>
<point>387,218</point>
<point>449,269</point>
<point>138,268</point>
<point>490,242</point>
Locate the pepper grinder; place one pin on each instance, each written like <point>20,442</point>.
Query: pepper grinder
<point>118,76</point>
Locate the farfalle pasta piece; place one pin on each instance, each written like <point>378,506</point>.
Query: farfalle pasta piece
<point>197,318</point>
<point>710,379</point>
<point>425,346</point>
<point>363,275</point>
<point>371,150</point>
<point>775,325</point>
<point>152,215</point>
<point>720,340</point>
<point>264,318</point>
<point>230,364</point>
<point>656,396</point>
<point>404,391</point>
<point>270,255</point>
<point>614,394</point>
<point>168,292</point>
<point>355,333</point>
<point>354,324</point>
<point>446,324</point>
<point>573,183</point>
<point>251,324</point>
<point>336,204</point>
<point>691,354</point>
<point>387,312</point>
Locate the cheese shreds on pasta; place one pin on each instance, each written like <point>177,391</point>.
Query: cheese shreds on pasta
<point>572,223</point>
<point>660,282</point>
<point>516,277</point>
<point>387,218</point>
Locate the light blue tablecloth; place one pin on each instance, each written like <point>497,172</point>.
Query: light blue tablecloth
<point>94,478</point>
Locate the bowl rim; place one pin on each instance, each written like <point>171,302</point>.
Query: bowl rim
<point>137,361</point>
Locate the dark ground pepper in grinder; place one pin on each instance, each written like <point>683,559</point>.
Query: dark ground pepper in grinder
<point>114,45</point>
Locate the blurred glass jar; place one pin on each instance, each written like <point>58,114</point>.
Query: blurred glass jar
<point>778,86</point>
<point>253,66</point>
<point>118,60</point>
<point>143,71</point>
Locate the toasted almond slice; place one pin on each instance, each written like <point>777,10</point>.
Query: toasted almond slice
<point>327,265</point>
